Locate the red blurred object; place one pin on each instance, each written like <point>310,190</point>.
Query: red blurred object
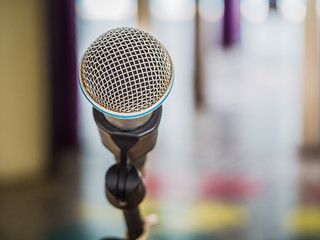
<point>231,187</point>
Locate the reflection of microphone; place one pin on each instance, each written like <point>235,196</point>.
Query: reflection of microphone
<point>126,74</point>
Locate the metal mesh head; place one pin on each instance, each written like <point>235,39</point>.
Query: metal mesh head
<point>126,72</point>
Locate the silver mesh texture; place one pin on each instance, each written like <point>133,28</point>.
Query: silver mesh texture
<point>126,70</point>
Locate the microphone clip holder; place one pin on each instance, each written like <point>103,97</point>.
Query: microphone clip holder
<point>125,188</point>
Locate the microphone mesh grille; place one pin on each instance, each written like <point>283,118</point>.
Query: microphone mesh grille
<point>126,70</point>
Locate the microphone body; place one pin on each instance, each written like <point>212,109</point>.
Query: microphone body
<point>137,142</point>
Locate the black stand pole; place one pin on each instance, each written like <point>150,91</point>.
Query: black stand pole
<point>134,222</point>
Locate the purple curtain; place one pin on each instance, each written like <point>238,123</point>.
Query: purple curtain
<point>273,4</point>
<point>64,104</point>
<point>231,22</point>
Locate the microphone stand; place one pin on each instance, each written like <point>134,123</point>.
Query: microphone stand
<point>134,222</point>
<point>124,183</point>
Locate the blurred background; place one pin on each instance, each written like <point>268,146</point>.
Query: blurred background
<point>237,155</point>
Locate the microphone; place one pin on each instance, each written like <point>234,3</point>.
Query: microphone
<point>126,74</point>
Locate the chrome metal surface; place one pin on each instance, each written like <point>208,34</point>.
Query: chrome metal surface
<point>128,123</point>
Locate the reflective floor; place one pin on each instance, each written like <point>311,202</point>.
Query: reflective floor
<point>228,170</point>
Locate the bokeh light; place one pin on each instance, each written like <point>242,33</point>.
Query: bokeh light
<point>107,9</point>
<point>173,10</point>
<point>211,10</point>
<point>254,10</point>
<point>293,10</point>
